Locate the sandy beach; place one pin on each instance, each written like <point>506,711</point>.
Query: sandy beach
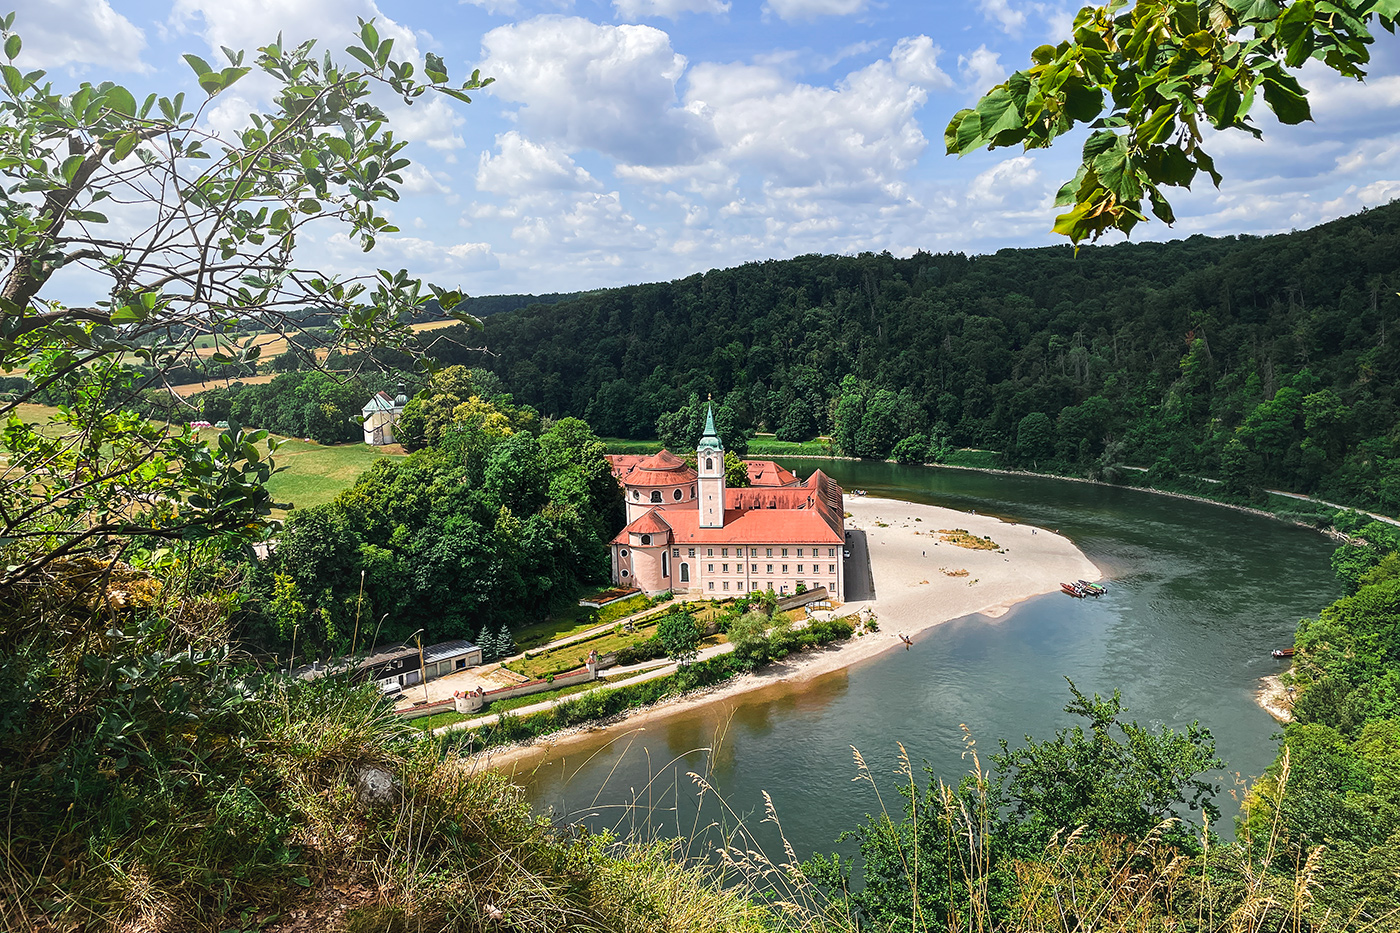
<point>919,581</point>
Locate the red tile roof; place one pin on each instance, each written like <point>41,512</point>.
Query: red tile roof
<point>650,523</point>
<point>768,473</point>
<point>754,527</point>
<point>659,469</point>
<point>662,461</point>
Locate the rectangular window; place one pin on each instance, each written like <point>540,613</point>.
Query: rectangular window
<point>676,552</point>
<point>831,568</point>
<point>754,585</point>
<point>770,553</point>
<point>785,570</point>
<point>692,553</point>
<point>770,568</point>
<point>726,584</point>
<point>785,552</point>
<point>712,567</point>
<point>799,568</point>
<point>753,552</point>
<point>831,552</point>
<point>712,584</point>
<point>709,552</point>
<point>799,552</point>
<point>753,568</point>
<point>725,568</point>
<point>724,552</point>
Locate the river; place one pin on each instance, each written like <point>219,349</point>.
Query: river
<point>1197,597</point>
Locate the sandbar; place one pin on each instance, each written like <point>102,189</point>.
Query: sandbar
<point>919,582</point>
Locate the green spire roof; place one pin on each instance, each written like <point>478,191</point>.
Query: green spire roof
<point>711,436</point>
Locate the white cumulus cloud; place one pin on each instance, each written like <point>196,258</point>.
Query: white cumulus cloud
<point>1004,14</point>
<point>670,9</point>
<point>607,88</point>
<point>78,32</point>
<point>522,168</point>
<point>981,69</point>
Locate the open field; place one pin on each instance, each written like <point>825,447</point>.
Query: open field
<point>194,388</point>
<point>766,445</point>
<point>315,475</point>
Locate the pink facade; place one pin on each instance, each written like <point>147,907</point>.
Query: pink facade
<point>765,537</point>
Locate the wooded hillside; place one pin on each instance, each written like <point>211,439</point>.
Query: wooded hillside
<point>1263,360</point>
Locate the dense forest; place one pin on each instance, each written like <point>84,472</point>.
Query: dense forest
<point>1265,361</point>
<point>489,526</point>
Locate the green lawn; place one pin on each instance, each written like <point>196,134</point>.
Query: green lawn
<point>576,619</point>
<point>763,445</point>
<point>620,445</point>
<point>314,474</point>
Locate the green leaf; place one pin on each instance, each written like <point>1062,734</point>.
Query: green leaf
<point>950,133</point>
<point>1295,32</point>
<point>1255,11</point>
<point>1287,100</point>
<point>435,69</point>
<point>12,47</point>
<point>361,56</point>
<point>119,100</point>
<point>229,76</point>
<point>200,66</point>
<point>340,147</point>
<point>124,146</point>
<point>92,217</point>
<point>998,112</point>
<point>369,36</point>
<point>1158,126</point>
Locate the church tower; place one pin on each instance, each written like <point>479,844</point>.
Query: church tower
<point>709,461</point>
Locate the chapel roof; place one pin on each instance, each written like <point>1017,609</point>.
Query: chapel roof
<point>649,523</point>
<point>661,462</point>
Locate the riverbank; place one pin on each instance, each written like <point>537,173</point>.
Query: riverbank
<point>919,580</point>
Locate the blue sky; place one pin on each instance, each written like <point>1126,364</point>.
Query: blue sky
<point>639,140</point>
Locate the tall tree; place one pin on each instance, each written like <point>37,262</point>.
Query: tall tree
<point>207,247</point>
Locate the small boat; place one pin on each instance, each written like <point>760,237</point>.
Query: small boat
<point>1072,590</point>
<point>1093,589</point>
<point>1284,652</point>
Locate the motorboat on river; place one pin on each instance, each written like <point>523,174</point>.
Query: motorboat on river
<point>1284,652</point>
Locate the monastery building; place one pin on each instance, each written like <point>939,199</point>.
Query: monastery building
<point>687,533</point>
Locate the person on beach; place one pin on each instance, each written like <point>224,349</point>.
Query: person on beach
<point>908,642</point>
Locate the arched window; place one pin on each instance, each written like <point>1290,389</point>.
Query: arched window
<point>646,540</point>
<point>656,495</point>
<point>685,573</point>
<point>665,564</point>
<point>709,464</point>
<point>676,495</point>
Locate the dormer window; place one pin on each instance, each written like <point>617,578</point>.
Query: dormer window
<point>676,495</point>
<point>656,495</point>
<point>636,494</point>
<point>646,540</point>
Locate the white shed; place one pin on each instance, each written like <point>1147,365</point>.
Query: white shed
<point>381,414</point>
